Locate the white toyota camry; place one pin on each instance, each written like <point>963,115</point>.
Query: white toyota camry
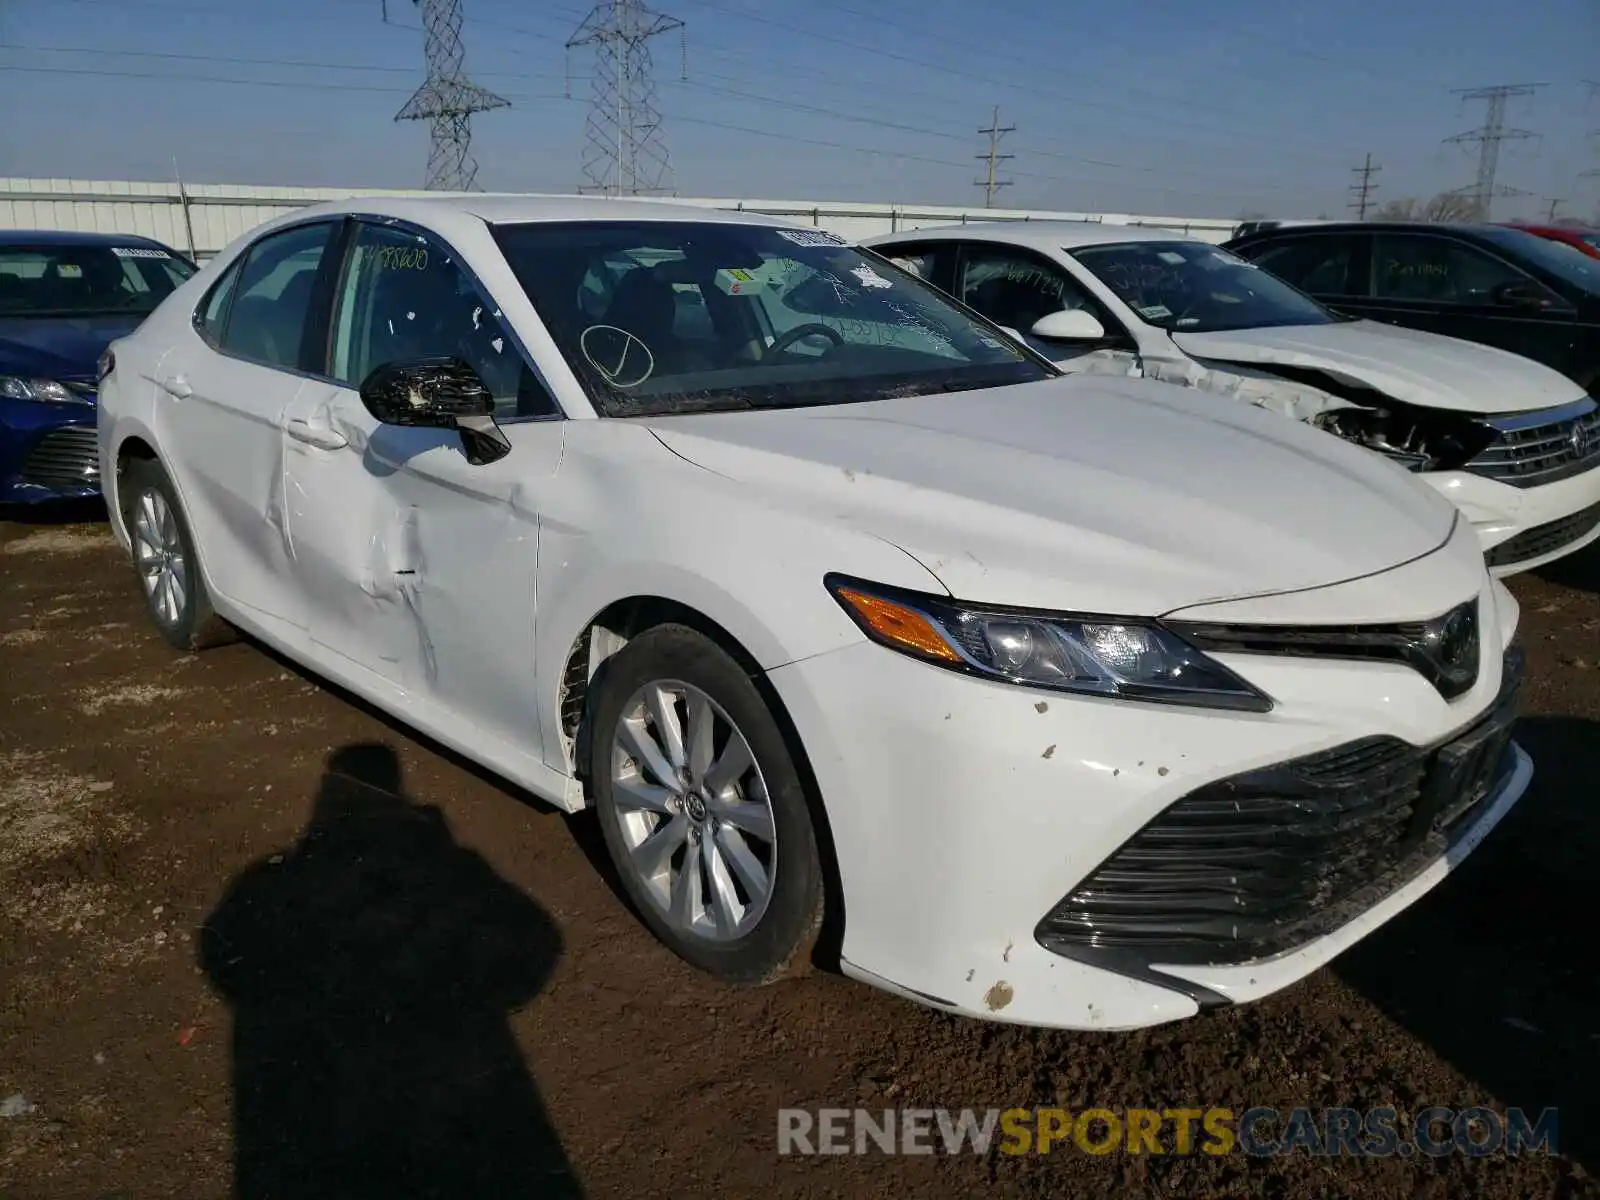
<point>1513,443</point>
<point>1082,702</point>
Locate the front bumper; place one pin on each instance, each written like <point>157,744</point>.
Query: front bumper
<point>964,812</point>
<point>1523,528</point>
<point>48,452</point>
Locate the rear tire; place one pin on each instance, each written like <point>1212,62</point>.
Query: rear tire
<point>703,810</point>
<point>165,561</point>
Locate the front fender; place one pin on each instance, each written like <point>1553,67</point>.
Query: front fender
<point>625,525</point>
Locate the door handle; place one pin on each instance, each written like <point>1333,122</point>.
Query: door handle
<point>178,386</point>
<point>314,435</point>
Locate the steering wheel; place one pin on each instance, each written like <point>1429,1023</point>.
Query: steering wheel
<point>785,340</point>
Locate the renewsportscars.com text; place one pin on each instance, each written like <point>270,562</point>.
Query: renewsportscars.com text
<point>1261,1132</point>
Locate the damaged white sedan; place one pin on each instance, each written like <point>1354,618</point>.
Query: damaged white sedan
<point>1513,443</point>
<point>1080,702</point>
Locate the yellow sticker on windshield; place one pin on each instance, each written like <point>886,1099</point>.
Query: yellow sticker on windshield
<point>736,281</point>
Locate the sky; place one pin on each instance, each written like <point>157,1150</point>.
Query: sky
<point>1151,107</point>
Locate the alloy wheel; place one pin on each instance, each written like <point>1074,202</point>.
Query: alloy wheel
<point>694,812</point>
<point>158,552</point>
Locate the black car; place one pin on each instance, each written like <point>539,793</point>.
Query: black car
<point>1483,283</point>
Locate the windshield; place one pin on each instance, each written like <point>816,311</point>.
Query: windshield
<point>88,279</point>
<point>682,316</point>
<point>1577,269</point>
<point>1190,287</point>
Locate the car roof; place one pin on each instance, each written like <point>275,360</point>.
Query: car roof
<point>1551,230</point>
<point>1041,235</point>
<point>73,237</point>
<point>521,209</point>
<point>1483,229</point>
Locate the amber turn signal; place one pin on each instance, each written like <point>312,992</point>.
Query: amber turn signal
<point>898,625</point>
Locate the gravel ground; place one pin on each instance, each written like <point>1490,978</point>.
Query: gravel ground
<point>247,924</point>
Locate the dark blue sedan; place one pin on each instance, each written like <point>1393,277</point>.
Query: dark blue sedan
<point>64,297</point>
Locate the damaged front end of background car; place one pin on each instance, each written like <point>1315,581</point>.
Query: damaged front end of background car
<point>1417,437</point>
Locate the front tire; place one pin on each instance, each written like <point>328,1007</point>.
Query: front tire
<point>702,808</point>
<point>164,558</point>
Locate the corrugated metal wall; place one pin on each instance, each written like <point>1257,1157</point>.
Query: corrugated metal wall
<point>203,218</point>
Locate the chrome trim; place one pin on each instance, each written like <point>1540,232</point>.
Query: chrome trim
<point>1511,422</point>
<point>1531,449</point>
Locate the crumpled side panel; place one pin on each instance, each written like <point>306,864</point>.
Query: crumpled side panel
<point>277,511</point>
<point>1102,362</point>
<point>1297,400</point>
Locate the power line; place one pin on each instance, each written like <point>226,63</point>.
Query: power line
<point>1109,105</point>
<point>1489,136</point>
<point>1364,188</point>
<point>447,99</point>
<point>624,152</point>
<point>737,93</point>
<point>989,183</point>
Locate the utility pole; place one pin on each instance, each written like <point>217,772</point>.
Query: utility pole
<point>1488,137</point>
<point>989,183</point>
<point>1364,188</point>
<point>447,99</point>
<point>624,151</point>
<point>1550,213</point>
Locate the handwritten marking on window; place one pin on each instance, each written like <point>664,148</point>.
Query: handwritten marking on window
<point>403,258</point>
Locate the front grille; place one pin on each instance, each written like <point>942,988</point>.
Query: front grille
<point>64,460</point>
<point>1539,448</point>
<point>1263,862</point>
<point>1444,650</point>
<point>1545,539</point>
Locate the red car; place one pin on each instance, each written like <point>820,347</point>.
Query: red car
<point>1586,240</point>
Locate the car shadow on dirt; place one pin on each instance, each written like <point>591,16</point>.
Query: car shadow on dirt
<point>1488,969</point>
<point>371,968</point>
<point>64,512</point>
<point>1580,571</point>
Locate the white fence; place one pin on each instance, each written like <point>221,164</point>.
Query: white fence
<point>201,219</point>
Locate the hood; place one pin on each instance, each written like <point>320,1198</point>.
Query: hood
<point>1088,493</point>
<point>1408,365</point>
<point>60,347</point>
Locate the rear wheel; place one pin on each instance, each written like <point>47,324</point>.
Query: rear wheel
<point>164,557</point>
<point>702,808</point>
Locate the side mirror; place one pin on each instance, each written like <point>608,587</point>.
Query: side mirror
<point>437,393</point>
<point>1520,295</point>
<point>1014,334</point>
<point>1069,325</point>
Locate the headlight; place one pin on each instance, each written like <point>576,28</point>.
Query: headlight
<point>1128,658</point>
<point>46,391</point>
<point>1416,439</point>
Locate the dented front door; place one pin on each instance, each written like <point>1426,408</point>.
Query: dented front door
<point>416,565</point>
<point>348,539</point>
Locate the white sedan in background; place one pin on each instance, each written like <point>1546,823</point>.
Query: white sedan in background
<point>1081,702</point>
<point>1513,443</point>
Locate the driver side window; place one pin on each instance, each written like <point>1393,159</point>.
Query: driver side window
<point>1015,289</point>
<point>404,297</point>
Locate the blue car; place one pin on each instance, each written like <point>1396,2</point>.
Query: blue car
<point>64,297</point>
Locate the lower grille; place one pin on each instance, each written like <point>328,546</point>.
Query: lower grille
<point>1527,455</point>
<point>1258,864</point>
<point>64,460</point>
<point>1544,539</point>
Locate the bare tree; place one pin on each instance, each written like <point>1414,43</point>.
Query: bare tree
<point>1446,206</point>
<point>1403,209</point>
<point>1251,214</point>
<point>1450,206</point>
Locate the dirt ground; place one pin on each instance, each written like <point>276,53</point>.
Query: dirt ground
<point>213,951</point>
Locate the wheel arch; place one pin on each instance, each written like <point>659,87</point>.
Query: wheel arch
<point>623,620</point>
<point>130,448</point>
